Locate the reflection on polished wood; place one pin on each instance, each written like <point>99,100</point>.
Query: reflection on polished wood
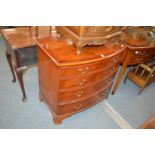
<point>21,50</point>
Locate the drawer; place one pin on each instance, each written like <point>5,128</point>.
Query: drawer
<point>140,59</point>
<point>81,105</point>
<point>86,91</point>
<point>142,52</point>
<point>87,78</point>
<point>84,69</point>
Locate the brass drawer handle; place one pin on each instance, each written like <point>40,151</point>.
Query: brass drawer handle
<point>137,52</point>
<point>140,52</point>
<point>109,80</point>
<point>81,82</point>
<point>78,94</point>
<point>116,59</point>
<point>106,93</point>
<point>112,69</point>
<point>77,106</point>
<point>139,59</point>
<point>83,70</point>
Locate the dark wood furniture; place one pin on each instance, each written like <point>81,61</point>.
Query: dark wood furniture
<point>90,35</point>
<point>21,50</point>
<point>70,83</point>
<point>137,51</point>
<point>149,124</point>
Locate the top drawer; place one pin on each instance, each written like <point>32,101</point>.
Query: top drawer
<point>82,69</point>
<point>143,52</point>
<point>141,56</point>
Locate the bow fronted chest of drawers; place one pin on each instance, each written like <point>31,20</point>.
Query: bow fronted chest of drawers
<point>70,83</point>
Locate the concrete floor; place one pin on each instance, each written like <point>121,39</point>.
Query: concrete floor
<point>14,113</point>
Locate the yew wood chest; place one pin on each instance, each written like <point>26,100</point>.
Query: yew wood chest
<point>70,83</point>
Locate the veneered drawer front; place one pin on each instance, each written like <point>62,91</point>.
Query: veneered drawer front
<point>142,52</point>
<point>141,56</point>
<point>84,69</point>
<point>140,59</point>
<point>87,78</point>
<point>81,105</point>
<point>77,94</point>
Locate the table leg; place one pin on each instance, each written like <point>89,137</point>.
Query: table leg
<point>120,75</point>
<point>9,59</point>
<point>20,72</point>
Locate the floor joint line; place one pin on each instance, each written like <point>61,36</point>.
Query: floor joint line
<point>117,118</point>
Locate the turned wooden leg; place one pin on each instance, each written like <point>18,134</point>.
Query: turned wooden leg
<point>118,80</point>
<point>19,72</point>
<point>120,75</point>
<point>9,59</point>
<point>57,120</point>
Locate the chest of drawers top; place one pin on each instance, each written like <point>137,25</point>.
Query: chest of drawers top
<point>64,54</point>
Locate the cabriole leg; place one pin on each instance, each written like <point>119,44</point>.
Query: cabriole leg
<point>9,59</point>
<point>20,72</point>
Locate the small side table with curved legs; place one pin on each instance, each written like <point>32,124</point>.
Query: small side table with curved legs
<point>21,52</point>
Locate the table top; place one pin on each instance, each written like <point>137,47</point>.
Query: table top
<point>24,36</point>
<point>137,43</point>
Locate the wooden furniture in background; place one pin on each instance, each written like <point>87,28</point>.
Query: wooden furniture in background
<point>21,50</point>
<point>148,124</point>
<point>142,75</point>
<point>90,35</point>
<point>137,52</point>
<point>70,83</point>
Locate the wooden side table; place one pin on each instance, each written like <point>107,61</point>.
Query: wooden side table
<point>137,52</point>
<point>21,51</point>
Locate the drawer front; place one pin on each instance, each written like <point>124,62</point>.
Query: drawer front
<point>141,56</point>
<point>81,105</point>
<point>140,59</point>
<point>87,78</point>
<point>84,92</point>
<point>146,52</point>
<point>84,69</point>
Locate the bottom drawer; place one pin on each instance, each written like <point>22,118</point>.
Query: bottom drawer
<point>81,105</point>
